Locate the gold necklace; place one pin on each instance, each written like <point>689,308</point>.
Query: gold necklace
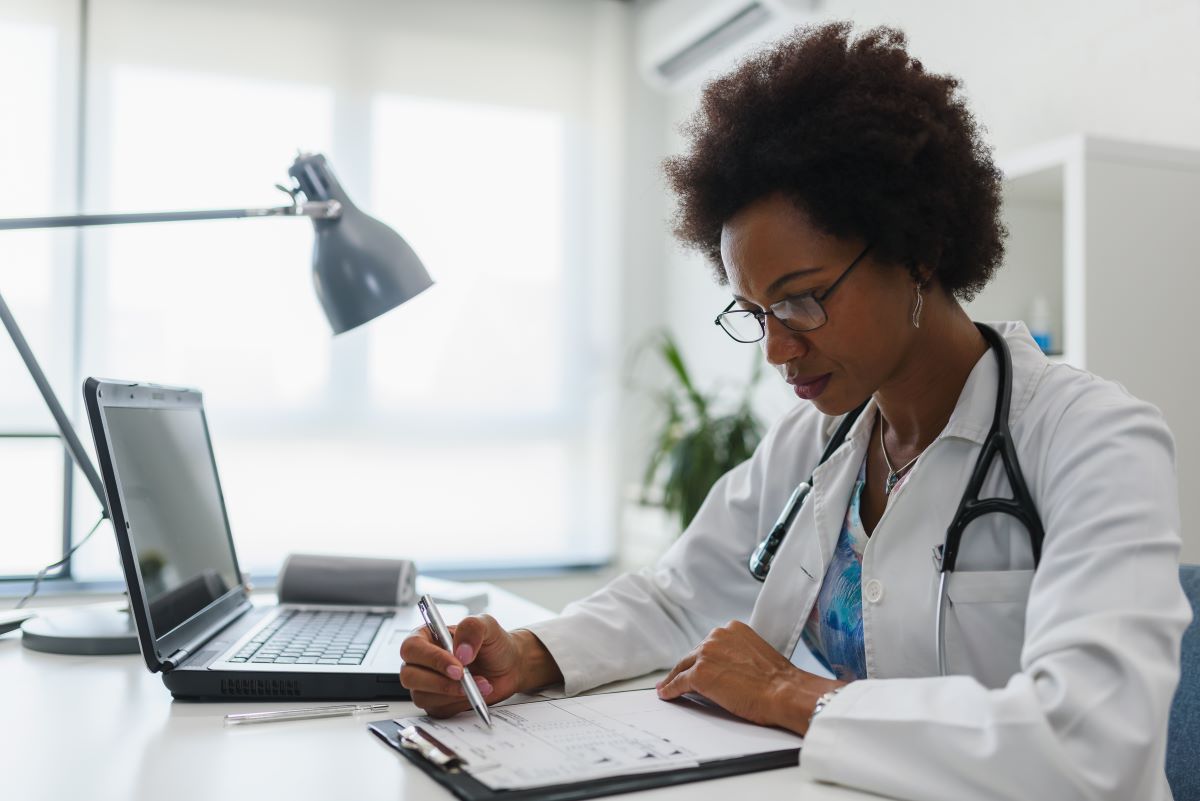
<point>893,475</point>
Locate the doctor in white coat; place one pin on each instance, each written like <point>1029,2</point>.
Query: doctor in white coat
<point>844,196</point>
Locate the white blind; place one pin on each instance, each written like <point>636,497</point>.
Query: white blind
<point>468,427</point>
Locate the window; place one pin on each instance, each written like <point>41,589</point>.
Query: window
<point>466,428</point>
<point>36,63</point>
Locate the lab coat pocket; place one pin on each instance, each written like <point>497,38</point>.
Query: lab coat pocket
<point>986,623</point>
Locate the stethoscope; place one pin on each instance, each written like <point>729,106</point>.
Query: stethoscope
<point>970,508</point>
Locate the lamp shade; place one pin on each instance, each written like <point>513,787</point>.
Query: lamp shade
<point>361,267</point>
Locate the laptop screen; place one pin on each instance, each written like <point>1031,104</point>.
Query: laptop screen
<point>174,510</point>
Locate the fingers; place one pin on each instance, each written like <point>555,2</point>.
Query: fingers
<point>419,679</point>
<point>444,706</point>
<point>436,706</point>
<point>418,649</point>
<point>439,706</point>
<point>470,635</point>
<point>437,695</point>
<point>681,678</point>
<point>681,666</point>
<point>676,685</point>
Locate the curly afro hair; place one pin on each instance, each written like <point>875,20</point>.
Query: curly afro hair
<point>861,138</point>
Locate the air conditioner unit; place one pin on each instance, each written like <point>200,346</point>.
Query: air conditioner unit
<point>681,43</point>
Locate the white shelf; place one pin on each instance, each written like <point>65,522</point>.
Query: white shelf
<point>1109,233</point>
<point>1033,264</point>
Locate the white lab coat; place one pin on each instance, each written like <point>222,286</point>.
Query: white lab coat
<point>1063,678</point>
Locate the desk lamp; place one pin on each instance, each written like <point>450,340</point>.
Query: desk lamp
<point>361,269</point>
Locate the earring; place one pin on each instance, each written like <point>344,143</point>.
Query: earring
<point>916,315</point>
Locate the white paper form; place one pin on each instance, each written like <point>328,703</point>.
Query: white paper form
<point>573,739</point>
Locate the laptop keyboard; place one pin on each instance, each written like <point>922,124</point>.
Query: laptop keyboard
<point>318,637</point>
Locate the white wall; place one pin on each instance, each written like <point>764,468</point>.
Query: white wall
<point>1032,71</point>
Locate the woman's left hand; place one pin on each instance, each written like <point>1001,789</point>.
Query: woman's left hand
<point>739,671</point>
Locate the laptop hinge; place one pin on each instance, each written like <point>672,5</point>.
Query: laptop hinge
<point>173,661</point>
<point>196,643</point>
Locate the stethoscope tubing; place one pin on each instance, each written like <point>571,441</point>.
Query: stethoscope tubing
<point>970,507</point>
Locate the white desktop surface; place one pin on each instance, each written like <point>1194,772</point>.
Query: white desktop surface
<point>104,727</point>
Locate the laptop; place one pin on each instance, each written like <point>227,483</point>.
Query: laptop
<point>195,622</point>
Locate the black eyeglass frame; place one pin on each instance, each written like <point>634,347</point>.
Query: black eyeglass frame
<point>761,315</point>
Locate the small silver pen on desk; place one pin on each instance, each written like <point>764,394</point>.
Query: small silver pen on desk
<point>441,636</point>
<point>304,714</point>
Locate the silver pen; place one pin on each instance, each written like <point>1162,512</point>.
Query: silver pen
<point>304,714</point>
<point>441,636</point>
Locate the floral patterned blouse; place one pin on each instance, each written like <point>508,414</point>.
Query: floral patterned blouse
<point>834,631</point>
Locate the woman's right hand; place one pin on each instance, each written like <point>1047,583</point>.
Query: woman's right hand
<point>502,663</point>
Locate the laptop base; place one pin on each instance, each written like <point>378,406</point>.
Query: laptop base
<point>198,684</point>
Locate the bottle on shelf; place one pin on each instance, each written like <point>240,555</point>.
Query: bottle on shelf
<point>1039,322</point>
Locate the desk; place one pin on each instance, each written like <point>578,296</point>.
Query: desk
<point>92,728</point>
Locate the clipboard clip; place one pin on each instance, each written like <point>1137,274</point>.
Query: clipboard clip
<point>433,750</point>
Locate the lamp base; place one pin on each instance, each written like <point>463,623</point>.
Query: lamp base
<point>88,631</point>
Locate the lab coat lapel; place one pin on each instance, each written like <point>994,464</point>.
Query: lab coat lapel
<point>976,407</point>
<point>799,567</point>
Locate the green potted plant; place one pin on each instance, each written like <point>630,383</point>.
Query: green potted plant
<point>700,439</point>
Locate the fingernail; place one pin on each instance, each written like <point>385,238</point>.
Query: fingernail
<point>454,672</point>
<point>485,686</point>
<point>463,653</point>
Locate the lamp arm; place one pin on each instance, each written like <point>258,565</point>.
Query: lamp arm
<point>73,445</point>
<point>321,210</point>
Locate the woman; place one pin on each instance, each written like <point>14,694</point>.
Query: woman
<point>846,198</point>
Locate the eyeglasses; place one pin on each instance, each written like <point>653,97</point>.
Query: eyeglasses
<point>798,313</point>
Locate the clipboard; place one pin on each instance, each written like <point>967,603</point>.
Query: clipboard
<point>444,767</point>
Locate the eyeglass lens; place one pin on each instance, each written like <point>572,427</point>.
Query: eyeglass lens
<point>802,313</point>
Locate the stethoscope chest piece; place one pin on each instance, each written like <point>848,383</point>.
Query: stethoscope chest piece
<point>764,554</point>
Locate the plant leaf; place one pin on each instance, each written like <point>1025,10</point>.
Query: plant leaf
<point>671,353</point>
<point>692,448</point>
